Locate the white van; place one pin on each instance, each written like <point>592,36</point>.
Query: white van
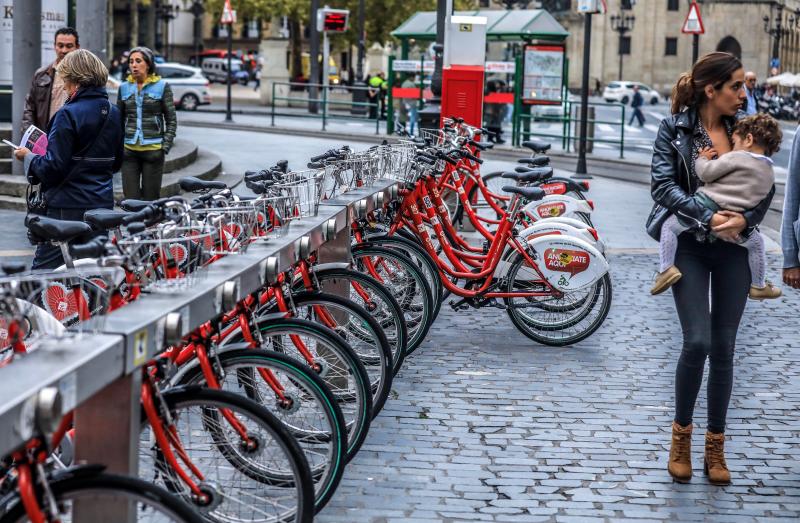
<point>215,69</point>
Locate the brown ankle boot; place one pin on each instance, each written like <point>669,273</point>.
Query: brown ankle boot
<point>680,458</point>
<point>714,465</point>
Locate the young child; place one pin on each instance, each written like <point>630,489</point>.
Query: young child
<point>736,181</point>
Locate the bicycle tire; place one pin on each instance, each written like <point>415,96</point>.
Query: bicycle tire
<point>360,330</point>
<point>79,482</point>
<point>547,333</point>
<point>355,400</point>
<point>381,305</point>
<point>420,256</point>
<point>415,296</point>
<point>307,394</point>
<point>293,477</point>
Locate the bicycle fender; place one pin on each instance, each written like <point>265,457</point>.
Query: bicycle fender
<point>567,262</point>
<point>557,227</point>
<point>555,205</point>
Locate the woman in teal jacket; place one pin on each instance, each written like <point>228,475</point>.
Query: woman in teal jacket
<point>148,110</point>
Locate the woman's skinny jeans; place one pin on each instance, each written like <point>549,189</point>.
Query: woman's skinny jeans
<point>708,332</point>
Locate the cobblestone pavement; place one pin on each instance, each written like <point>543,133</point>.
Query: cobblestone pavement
<point>485,425</point>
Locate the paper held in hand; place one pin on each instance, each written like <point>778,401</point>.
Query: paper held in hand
<point>34,139</point>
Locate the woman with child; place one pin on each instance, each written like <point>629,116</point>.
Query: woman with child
<point>712,182</point>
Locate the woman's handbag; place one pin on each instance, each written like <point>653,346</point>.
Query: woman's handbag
<point>658,215</point>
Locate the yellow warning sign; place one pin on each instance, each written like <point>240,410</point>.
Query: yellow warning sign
<point>140,347</point>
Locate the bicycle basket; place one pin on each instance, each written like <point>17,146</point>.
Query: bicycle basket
<point>304,189</point>
<point>270,212</point>
<point>54,305</point>
<point>169,257</point>
<point>235,227</point>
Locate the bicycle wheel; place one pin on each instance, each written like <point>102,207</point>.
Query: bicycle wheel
<point>265,479</point>
<point>419,256</point>
<point>555,321</point>
<point>375,299</point>
<point>360,330</point>
<point>494,183</point>
<point>83,493</point>
<point>302,402</point>
<point>405,281</point>
<point>333,361</point>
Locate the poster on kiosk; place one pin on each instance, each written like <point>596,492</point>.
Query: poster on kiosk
<point>462,74</point>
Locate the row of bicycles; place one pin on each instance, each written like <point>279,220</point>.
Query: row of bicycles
<point>253,416</point>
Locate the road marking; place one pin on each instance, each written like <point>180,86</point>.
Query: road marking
<point>603,146</point>
<point>17,252</point>
<point>657,115</point>
<point>651,127</point>
<point>632,129</point>
<point>605,128</point>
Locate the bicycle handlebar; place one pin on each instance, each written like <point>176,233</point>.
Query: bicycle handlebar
<point>93,249</point>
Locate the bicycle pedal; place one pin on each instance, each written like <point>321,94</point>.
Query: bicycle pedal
<point>459,305</point>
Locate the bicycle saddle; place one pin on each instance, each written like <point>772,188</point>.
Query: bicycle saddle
<point>134,205</point>
<point>56,230</point>
<point>104,219</point>
<point>539,161</point>
<point>536,146</point>
<point>525,175</point>
<point>192,184</point>
<point>529,193</point>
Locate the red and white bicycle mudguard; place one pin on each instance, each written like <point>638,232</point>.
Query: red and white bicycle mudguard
<point>567,262</point>
<point>562,227</point>
<point>555,205</point>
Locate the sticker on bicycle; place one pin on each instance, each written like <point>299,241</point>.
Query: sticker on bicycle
<point>564,260</point>
<point>551,210</point>
<point>427,201</point>
<point>556,206</point>
<point>61,302</point>
<point>568,263</point>
<point>554,188</point>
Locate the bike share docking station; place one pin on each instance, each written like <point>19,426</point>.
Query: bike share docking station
<point>98,375</point>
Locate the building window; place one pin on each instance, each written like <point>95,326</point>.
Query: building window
<point>671,48</point>
<point>672,5</point>
<point>252,29</point>
<point>485,3</point>
<point>625,45</point>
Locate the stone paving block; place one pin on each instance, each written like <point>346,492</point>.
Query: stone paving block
<point>580,432</point>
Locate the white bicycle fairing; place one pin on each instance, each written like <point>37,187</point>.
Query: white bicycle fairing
<point>556,205</point>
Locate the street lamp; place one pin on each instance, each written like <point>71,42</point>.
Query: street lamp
<point>622,24</point>
<point>197,11</point>
<point>775,28</point>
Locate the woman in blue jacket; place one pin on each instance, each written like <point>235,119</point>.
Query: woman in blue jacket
<point>84,149</point>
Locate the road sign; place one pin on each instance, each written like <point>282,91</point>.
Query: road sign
<point>693,24</point>
<point>592,6</point>
<point>332,20</point>
<point>228,15</point>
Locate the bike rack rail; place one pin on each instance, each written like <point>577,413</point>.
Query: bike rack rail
<point>97,375</point>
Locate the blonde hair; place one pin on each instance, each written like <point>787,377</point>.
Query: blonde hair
<point>83,68</point>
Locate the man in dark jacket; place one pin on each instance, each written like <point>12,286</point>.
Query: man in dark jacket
<point>47,95</point>
<point>636,104</point>
<point>85,147</point>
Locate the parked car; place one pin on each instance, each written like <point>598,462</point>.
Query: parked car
<point>216,69</point>
<point>189,86</point>
<point>623,92</point>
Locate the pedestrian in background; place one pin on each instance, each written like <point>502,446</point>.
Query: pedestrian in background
<point>148,110</point>
<point>373,91</point>
<point>47,93</point>
<point>705,103</point>
<point>636,104</point>
<point>790,228</point>
<point>750,82</point>
<point>84,149</point>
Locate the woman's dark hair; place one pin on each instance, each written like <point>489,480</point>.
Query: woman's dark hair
<point>67,31</point>
<point>711,69</point>
<point>147,56</point>
<point>765,129</point>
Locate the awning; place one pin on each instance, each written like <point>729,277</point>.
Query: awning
<point>515,25</point>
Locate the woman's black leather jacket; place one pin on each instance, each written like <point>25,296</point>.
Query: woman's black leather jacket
<point>672,183</point>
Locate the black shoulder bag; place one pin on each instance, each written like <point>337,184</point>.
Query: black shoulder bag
<point>34,194</point>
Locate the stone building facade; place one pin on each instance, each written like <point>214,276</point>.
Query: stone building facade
<point>659,52</point>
